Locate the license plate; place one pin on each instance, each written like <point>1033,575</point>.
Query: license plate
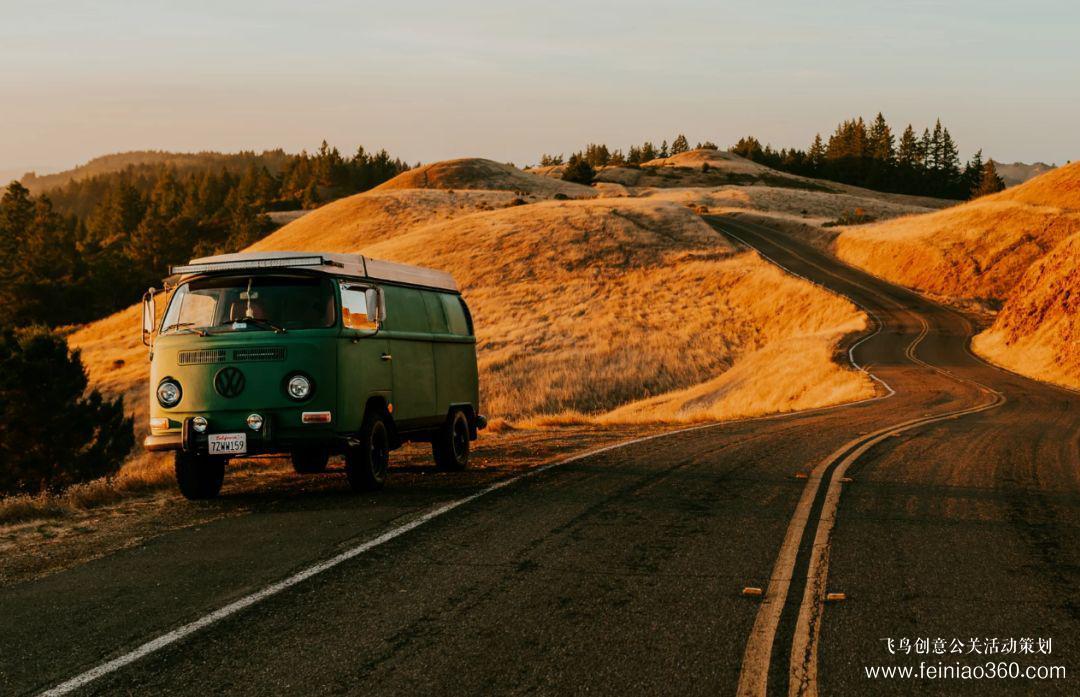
<point>227,443</point>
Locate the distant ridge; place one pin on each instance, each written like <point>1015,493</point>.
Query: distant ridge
<point>1019,172</point>
<point>116,162</point>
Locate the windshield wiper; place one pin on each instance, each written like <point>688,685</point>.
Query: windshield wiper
<point>186,326</point>
<point>265,324</point>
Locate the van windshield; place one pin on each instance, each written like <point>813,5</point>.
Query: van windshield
<point>244,303</point>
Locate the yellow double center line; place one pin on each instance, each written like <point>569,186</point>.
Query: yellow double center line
<point>754,674</point>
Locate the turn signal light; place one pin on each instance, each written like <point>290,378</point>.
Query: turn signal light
<point>315,417</point>
<point>159,423</point>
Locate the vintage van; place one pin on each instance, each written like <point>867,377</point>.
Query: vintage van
<point>309,355</point>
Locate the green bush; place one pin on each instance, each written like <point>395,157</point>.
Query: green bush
<point>53,435</point>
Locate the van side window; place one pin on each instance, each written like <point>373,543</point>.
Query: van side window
<point>354,309</point>
<point>455,314</point>
<point>435,313</point>
<point>405,311</point>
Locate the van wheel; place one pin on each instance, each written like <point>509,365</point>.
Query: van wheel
<point>310,461</point>
<point>450,445</point>
<point>199,476</point>
<point>366,464</point>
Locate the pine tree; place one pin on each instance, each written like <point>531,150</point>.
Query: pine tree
<point>881,140</point>
<point>578,170</point>
<point>816,155</point>
<point>990,183</point>
<point>973,172</point>
<point>680,145</point>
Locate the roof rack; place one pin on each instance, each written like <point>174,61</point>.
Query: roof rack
<point>334,264</point>
<point>242,264</point>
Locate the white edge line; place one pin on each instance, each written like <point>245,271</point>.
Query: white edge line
<point>247,601</point>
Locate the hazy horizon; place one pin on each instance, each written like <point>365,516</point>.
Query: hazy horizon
<point>429,82</point>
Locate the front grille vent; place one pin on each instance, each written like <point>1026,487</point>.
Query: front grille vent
<point>201,356</point>
<point>260,353</point>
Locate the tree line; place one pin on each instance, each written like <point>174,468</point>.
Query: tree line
<point>871,156</point>
<point>926,164</point>
<point>599,155</point>
<point>91,247</point>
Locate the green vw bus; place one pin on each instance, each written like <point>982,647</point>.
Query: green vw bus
<point>309,355</point>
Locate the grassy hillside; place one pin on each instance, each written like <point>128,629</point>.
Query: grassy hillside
<point>585,307</point>
<point>1018,249</point>
<point>976,251</point>
<point>1037,332</point>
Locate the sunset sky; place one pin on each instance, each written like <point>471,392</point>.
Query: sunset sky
<point>431,80</point>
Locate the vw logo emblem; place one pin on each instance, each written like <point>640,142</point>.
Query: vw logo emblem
<point>229,382</point>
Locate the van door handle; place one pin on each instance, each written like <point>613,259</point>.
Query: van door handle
<point>386,357</point>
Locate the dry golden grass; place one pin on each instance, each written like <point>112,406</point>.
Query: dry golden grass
<point>375,215</point>
<point>804,206</point>
<point>581,305</point>
<point>597,304</point>
<point>478,173</point>
<point>1037,332</point>
<point>978,250</point>
<point>1058,187</point>
<point>142,472</point>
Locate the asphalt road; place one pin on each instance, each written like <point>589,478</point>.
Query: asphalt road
<point>621,573</point>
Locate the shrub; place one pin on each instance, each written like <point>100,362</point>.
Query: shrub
<point>578,171</point>
<point>705,167</point>
<point>855,217</point>
<point>51,434</point>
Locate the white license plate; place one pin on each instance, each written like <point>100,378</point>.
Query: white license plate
<point>228,443</point>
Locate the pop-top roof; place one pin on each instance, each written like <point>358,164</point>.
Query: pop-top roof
<point>350,265</point>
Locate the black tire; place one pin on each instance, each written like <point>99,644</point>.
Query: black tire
<point>310,461</point>
<point>367,463</point>
<point>199,476</point>
<point>450,444</point>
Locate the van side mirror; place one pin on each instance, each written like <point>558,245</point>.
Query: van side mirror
<point>374,303</point>
<point>149,314</point>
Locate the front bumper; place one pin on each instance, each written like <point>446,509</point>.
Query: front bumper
<point>262,442</point>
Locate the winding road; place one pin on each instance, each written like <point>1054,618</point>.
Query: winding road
<point>946,507</point>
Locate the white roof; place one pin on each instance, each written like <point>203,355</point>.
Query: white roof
<point>353,265</point>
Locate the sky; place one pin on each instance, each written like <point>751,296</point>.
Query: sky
<point>511,80</point>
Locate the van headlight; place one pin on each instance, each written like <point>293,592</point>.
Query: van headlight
<point>169,392</point>
<point>298,387</point>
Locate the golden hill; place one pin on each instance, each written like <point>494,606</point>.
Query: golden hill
<point>975,251</point>
<point>587,306</point>
<point>581,306</point>
<point>1037,332</point>
<point>478,173</point>
<point>374,215</point>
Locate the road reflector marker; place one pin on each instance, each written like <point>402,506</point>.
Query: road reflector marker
<point>846,479</point>
<point>835,597</point>
<point>802,475</point>
<point>752,592</point>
